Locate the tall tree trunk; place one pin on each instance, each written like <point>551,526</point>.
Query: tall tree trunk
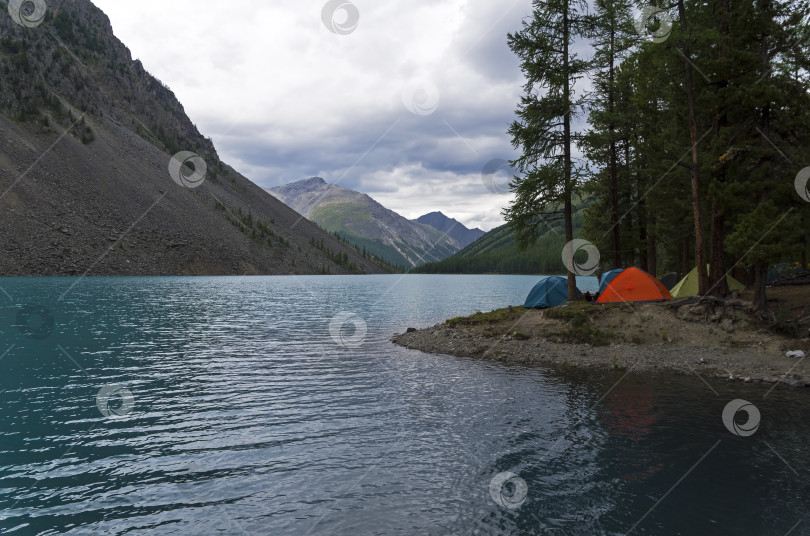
<point>643,231</point>
<point>652,258</point>
<point>631,251</point>
<point>700,254</point>
<point>569,223</point>
<point>614,174</point>
<point>642,238</point>
<point>760,301</point>
<point>760,298</point>
<point>717,269</point>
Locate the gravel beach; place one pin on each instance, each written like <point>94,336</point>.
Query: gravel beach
<point>642,338</point>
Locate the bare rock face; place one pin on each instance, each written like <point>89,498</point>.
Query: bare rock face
<point>86,139</point>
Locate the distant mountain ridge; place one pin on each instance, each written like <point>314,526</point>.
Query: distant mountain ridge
<point>365,223</point>
<point>451,227</point>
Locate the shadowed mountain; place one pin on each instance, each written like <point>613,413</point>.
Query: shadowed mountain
<point>365,223</point>
<point>452,228</point>
<point>86,139</point>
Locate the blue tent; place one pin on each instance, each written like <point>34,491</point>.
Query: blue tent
<point>607,277</point>
<point>550,291</point>
<point>778,271</point>
<point>785,270</point>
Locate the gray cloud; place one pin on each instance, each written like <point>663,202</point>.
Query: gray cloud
<point>285,99</point>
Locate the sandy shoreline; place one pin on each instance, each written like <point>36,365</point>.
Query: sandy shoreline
<point>721,348</point>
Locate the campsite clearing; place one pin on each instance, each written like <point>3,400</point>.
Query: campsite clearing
<point>723,340</point>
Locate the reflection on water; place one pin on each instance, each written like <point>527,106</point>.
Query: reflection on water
<point>225,406</point>
<point>629,416</point>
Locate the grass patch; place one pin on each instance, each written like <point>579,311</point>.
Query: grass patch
<point>493,317</point>
<point>576,313</point>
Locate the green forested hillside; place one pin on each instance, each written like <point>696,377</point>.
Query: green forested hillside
<point>496,252</point>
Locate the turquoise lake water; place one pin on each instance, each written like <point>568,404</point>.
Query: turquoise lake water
<point>278,405</point>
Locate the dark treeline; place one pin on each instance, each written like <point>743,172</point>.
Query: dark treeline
<point>544,259</point>
<point>697,127</point>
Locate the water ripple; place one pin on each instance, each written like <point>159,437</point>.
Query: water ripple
<point>248,418</point>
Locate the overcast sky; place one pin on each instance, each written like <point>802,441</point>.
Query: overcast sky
<point>408,105</point>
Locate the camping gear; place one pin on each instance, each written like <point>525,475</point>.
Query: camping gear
<point>550,291</point>
<point>669,281</point>
<point>634,285</point>
<point>607,277</point>
<point>785,271</point>
<point>688,286</point>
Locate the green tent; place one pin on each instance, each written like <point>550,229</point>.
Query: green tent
<point>689,285</point>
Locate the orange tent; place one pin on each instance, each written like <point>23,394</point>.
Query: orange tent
<point>634,285</point>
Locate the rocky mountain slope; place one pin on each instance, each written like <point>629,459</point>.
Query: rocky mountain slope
<point>86,141</point>
<point>452,228</point>
<point>364,222</point>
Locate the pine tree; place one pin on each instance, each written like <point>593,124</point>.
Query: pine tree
<point>770,139</point>
<point>694,168</point>
<point>543,131</point>
<point>612,35</point>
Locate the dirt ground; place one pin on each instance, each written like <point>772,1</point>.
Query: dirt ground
<point>719,339</point>
<point>788,302</point>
